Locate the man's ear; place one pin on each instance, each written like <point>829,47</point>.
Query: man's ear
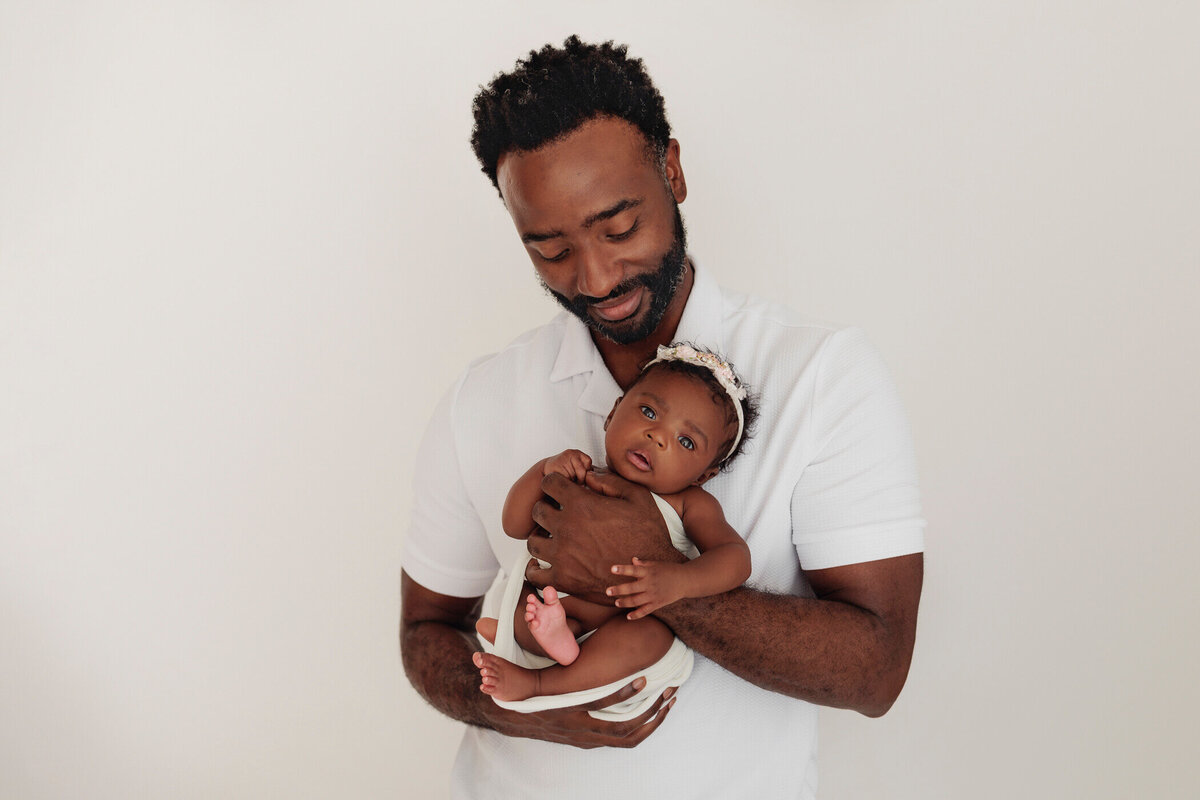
<point>673,172</point>
<point>708,473</point>
<point>616,403</point>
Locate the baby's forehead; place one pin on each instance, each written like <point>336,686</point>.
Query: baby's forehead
<point>669,384</point>
<point>665,380</point>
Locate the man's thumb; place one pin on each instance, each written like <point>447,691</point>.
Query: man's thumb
<point>605,483</point>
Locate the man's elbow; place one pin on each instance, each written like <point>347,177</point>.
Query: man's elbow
<point>877,709</point>
<point>883,695</point>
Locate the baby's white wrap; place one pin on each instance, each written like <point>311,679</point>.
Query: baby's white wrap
<point>670,670</point>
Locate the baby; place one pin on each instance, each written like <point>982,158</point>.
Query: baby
<point>683,420</point>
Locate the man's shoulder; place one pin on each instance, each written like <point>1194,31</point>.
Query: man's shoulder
<point>747,310</point>
<point>772,334</point>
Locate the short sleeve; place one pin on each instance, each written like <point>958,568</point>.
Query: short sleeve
<point>857,500</point>
<point>447,548</point>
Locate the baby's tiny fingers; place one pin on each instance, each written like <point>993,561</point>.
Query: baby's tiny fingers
<point>638,613</point>
<point>622,589</point>
<point>644,610</point>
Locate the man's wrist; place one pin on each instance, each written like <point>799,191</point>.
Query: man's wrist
<point>686,608</point>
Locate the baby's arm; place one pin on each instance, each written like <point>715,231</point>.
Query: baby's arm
<point>517,517</point>
<point>723,563</point>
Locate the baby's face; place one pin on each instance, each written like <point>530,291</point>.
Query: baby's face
<point>666,433</point>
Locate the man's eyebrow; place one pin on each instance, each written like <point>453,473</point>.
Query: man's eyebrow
<point>533,236</point>
<point>612,211</point>
<point>599,216</point>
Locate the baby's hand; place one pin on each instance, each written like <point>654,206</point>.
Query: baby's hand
<point>657,584</point>
<point>573,464</point>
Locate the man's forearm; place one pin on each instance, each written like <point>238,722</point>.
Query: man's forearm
<point>820,651</point>
<point>828,652</point>
<point>437,660</point>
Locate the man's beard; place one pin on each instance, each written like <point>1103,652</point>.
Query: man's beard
<point>661,285</point>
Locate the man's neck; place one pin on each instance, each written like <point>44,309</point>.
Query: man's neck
<point>624,360</point>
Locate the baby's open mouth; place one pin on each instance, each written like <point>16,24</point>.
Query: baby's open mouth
<point>638,459</point>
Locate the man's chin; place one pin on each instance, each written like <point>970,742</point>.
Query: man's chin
<point>626,331</point>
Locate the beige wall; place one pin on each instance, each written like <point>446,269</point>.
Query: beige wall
<point>244,246</point>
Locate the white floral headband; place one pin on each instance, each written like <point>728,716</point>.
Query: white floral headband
<point>720,370</point>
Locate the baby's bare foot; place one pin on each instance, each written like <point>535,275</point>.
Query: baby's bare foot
<point>504,680</point>
<point>548,623</point>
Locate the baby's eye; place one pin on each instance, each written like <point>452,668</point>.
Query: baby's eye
<point>686,442</point>
<point>648,412</point>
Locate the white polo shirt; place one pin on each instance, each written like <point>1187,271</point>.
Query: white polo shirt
<point>828,480</point>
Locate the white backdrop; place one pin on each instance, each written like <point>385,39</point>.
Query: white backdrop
<point>244,246</point>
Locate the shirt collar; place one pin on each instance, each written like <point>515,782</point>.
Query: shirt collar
<point>700,325</point>
<point>702,317</point>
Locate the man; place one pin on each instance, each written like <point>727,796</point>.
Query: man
<point>577,143</point>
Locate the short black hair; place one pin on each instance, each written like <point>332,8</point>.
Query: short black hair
<point>749,403</point>
<point>555,90</point>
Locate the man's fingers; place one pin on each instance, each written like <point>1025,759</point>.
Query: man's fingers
<point>559,487</point>
<point>544,514</point>
<point>540,578</point>
<point>586,731</point>
<point>606,483</point>
<point>654,717</point>
<point>624,693</point>
<point>540,545</point>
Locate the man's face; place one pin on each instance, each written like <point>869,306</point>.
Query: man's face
<point>600,220</point>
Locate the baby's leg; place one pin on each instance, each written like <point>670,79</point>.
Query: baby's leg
<point>590,615</point>
<point>618,648</point>
<point>556,623</point>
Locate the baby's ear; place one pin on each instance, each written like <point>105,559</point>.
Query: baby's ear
<point>708,473</point>
<point>616,403</point>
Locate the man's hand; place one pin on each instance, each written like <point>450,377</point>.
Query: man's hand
<point>607,521</point>
<point>575,726</point>
<point>654,585</point>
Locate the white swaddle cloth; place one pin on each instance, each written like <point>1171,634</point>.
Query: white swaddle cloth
<point>671,670</point>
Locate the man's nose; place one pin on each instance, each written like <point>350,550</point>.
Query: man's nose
<point>598,273</point>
